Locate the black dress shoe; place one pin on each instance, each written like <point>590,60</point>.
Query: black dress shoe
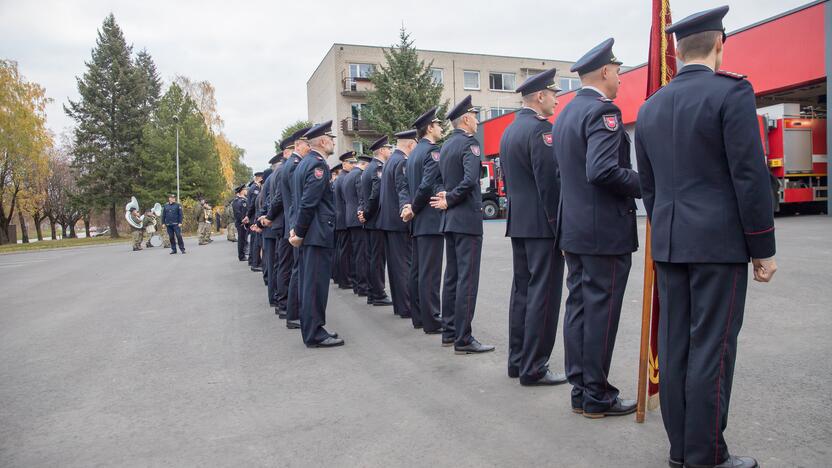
<point>619,408</point>
<point>433,332</point>
<point>407,317</point>
<point>173,253</point>
<point>474,347</point>
<point>328,343</point>
<point>240,259</point>
<point>448,342</point>
<point>731,462</point>
<point>382,302</point>
<point>577,410</point>
<point>549,378</point>
<point>281,314</point>
<point>513,372</point>
<point>341,286</point>
<point>361,294</point>
<point>293,324</point>
<point>334,335</point>
<point>257,269</point>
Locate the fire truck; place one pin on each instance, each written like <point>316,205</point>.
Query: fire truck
<point>794,140</point>
<point>493,190</point>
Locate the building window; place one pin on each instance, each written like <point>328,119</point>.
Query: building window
<point>438,75</point>
<point>361,70</point>
<point>501,81</point>
<point>569,84</point>
<point>358,147</point>
<point>356,109</point>
<point>498,111</point>
<point>471,79</point>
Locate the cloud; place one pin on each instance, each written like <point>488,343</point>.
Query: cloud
<point>259,54</point>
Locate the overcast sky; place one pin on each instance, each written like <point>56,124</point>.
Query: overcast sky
<point>259,54</point>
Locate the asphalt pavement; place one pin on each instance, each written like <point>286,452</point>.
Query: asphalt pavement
<point>110,357</point>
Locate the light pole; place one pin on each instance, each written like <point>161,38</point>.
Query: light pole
<point>176,121</point>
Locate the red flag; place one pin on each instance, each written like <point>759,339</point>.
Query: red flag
<point>661,67</point>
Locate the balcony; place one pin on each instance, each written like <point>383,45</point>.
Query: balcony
<point>357,127</point>
<point>355,86</point>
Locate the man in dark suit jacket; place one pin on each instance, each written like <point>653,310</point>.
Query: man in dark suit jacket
<point>240,207</point>
<point>397,244</point>
<point>533,191</point>
<point>313,234</point>
<point>343,250</point>
<point>461,201</point>
<point>368,213</point>
<point>422,182</point>
<point>357,234</point>
<point>597,229</point>
<point>254,242</point>
<point>707,194</point>
<point>269,235</point>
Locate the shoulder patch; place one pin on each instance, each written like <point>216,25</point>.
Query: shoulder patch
<point>547,138</point>
<point>434,155</point>
<point>319,173</point>
<point>475,149</point>
<point>729,74</point>
<point>610,122</point>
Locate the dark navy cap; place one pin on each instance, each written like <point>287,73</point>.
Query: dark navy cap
<point>708,20</point>
<point>381,142</point>
<point>365,158</point>
<point>299,135</point>
<point>406,134</point>
<point>596,58</point>
<point>426,119</point>
<point>267,173</point>
<point>321,129</point>
<point>275,158</point>
<point>348,156</point>
<point>258,174</point>
<point>463,107</point>
<point>239,188</point>
<point>336,167</point>
<point>539,82</point>
<point>287,142</point>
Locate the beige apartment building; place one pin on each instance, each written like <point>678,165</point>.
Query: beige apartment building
<point>338,88</point>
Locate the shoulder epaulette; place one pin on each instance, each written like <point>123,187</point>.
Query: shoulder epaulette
<point>729,74</point>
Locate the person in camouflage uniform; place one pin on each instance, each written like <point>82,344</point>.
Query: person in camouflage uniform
<point>205,217</point>
<point>230,231</point>
<point>150,223</point>
<point>137,233</point>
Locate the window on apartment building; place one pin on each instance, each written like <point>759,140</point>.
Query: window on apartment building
<point>501,81</point>
<point>498,111</point>
<point>356,109</point>
<point>471,79</point>
<point>438,75</point>
<point>361,70</point>
<point>569,84</point>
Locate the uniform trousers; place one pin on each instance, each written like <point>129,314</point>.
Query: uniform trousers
<point>398,251</point>
<point>358,239</point>
<point>461,285</point>
<point>427,266</point>
<point>315,264</point>
<point>375,273</point>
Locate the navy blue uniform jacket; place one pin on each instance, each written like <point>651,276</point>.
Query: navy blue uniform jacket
<point>340,203</point>
<point>349,193</point>
<point>531,176</point>
<point>459,166</point>
<point>423,182</point>
<point>598,186</point>
<point>315,211</point>
<point>703,170</point>
<point>370,193</point>
<point>389,210</point>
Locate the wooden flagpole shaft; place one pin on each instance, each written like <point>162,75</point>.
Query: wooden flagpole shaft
<point>646,309</point>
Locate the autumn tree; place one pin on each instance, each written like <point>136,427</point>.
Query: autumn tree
<point>24,142</point>
<point>200,172</point>
<point>404,89</point>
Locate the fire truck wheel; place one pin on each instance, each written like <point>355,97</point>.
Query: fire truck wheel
<point>489,210</point>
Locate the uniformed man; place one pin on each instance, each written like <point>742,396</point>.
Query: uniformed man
<point>254,242</point>
<point>240,206</point>
<point>422,182</point>
<point>335,273</point>
<point>357,235</point>
<point>397,246</point>
<point>533,191</point>
<point>368,214</point>
<point>461,201</point>
<point>268,234</point>
<point>274,218</point>
<point>597,225</point>
<point>287,204</point>
<point>151,226</point>
<point>313,234</point>
<point>172,217</point>
<point>706,191</point>
<point>136,232</point>
<point>343,253</point>
<point>230,230</point>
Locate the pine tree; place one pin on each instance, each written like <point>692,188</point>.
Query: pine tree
<point>150,82</point>
<point>199,163</point>
<point>109,120</point>
<point>404,89</point>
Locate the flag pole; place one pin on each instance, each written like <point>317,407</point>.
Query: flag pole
<point>644,347</point>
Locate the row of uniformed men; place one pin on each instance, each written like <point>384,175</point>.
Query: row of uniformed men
<point>571,194</point>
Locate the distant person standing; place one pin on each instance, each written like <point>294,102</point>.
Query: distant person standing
<point>230,228</point>
<point>136,232</point>
<point>240,207</point>
<point>150,226</point>
<point>205,218</point>
<point>172,218</point>
<point>254,242</point>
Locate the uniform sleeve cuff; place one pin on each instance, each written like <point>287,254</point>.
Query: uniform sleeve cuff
<point>761,245</point>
